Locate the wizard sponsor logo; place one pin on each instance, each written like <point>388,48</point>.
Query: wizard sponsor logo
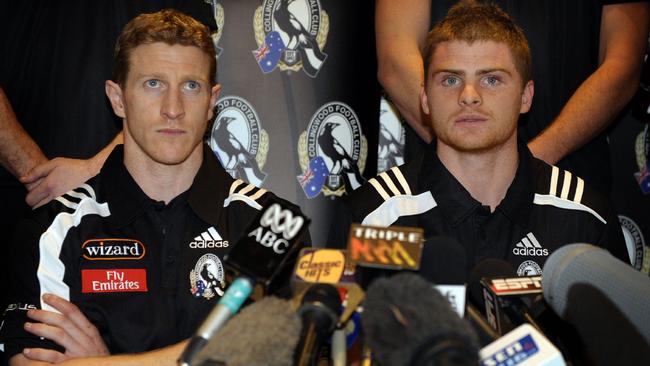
<point>113,249</point>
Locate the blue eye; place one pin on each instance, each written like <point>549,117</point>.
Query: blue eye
<point>491,80</point>
<point>153,83</point>
<point>192,85</point>
<point>450,80</point>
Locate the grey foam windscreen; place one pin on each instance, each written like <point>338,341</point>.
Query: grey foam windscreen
<point>264,333</point>
<point>573,264</point>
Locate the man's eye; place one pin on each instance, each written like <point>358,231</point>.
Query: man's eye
<point>153,83</point>
<point>491,80</point>
<point>192,85</point>
<point>450,81</point>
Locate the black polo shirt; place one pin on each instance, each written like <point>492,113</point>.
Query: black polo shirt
<point>544,208</point>
<point>145,273</point>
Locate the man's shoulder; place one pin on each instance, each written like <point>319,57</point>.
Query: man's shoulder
<point>562,189</point>
<point>82,200</point>
<point>390,195</point>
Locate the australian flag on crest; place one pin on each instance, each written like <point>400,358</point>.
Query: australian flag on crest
<point>313,179</point>
<point>643,178</point>
<point>268,55</point>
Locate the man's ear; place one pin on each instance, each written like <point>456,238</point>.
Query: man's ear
<point>527,96</point>
<point>213,99</point>
<point>115,96</point>
<point>424,100</point>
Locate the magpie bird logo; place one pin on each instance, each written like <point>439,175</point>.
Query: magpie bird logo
<point>334,133</point>
<point>207,278</point>
<point>302,26</point>
<point>391,137</point>
<point>238,140</point>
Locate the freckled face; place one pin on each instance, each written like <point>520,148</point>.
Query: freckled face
<point>474,95</point>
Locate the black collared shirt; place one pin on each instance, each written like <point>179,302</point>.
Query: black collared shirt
<point>544,208</point>
<point>144,272</point>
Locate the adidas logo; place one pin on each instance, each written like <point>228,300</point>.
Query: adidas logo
<point>529,246</point>
<point>209,239</point>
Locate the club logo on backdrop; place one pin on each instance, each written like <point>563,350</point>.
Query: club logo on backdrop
<point>636,248</point>
<point>529,268</point>
<point>290,35</point>
<point>219,17</point>
<point>642,150</point>
<point>207,277</point>
<point>238,140</point>
<point>333,138</point>
<point>391,137</point>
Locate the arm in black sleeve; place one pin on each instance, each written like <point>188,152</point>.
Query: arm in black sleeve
<point>24,290</point>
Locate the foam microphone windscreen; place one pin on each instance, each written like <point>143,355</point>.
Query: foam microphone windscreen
<point>606,335</point>
<point>265,333</point>
<point>626,288</point>
<point>407,322</point>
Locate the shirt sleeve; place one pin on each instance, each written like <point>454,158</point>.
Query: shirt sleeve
<point>24,291</point>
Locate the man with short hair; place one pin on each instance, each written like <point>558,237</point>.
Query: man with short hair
<point>477,183</point>
<point>131,261</point>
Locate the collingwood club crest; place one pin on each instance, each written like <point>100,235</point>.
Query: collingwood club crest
<point>529,268</point>
<point>642,152</point>
<point>219,19</point>
<point>636,248</point>
<point>238,140</point>
<point>334,135</point>
<point>391,137</point>
<point>207,277</point>
<point>291,35</point>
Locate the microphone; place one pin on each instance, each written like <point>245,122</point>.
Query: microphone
<point>264,333</point>
<point>257,257</point>
<point>444,262</point>
<point>499,295</point>
<point>605,299</point>
<point>522,346</point>
<point>407,322</point>
<point>320,311</point>
<point>383,251</point>
<point>505,308</point>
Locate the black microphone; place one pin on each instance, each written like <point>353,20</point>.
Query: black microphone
<point>407,322</point>
<point>264,333</point>
<point>496,284</point>
<point>444,262</point>
<point>320,311</point>
<point>270,240</point>
<point>514,308</point>
<point>605,300</point>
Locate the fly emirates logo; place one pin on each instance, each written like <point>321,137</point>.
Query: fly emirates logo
<point>114,280</point>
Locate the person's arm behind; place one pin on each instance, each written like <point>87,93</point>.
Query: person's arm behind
<point>595,104</point>
<point>401,28</point>
<point>18,152</point>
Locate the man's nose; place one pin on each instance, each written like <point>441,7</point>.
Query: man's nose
<point>469,96</point>
<point>172,107</point>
